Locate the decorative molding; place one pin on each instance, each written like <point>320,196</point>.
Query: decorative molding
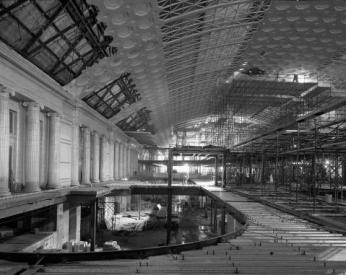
<point>20,75</point>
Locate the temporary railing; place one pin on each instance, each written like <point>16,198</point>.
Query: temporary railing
<point>57,257</point>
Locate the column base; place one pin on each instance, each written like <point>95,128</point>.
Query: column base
<point>95,181</point>
<point>86,184</point>
<point>31,188</point>
<point>53,186</point>
<point>73,184</point>
<point>5,193</point>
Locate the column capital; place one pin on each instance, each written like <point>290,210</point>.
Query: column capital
<point>31,105</point>
<point>54,114</point>
<point>95,133</point>
<point>4,93</point>
<point>6,90</point>
<point>85,128</point>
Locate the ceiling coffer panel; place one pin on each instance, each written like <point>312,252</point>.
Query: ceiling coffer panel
<point>179,49</point>
<point>299,37</point>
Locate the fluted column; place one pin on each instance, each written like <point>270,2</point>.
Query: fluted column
<point>75,150</point>
<point>53,151</point>
<point>44,141</point>
<point>103,159</point>
<point>136,161</point>
<point>116,160</point>
<point>32,161</point>
<point>86,156</point>
<point>125,161</point>
<point>4,142</point>
<point>129,174</point>
<point>96,157</point>
<point>121,160</point>
<point>107,160</point>
<point>130,162</point>
<point>111,159</point>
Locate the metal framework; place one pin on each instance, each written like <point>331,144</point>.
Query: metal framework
<point>137,121</point>
<point>61,37</point>
<point>233,73</point>
<point>203,42</point>
<point>110,99</point>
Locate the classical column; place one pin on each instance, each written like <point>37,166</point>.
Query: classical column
<point>116,160</point>
<point>121,160</point>
<point>125,172</point>
<point>103,159</point>
<point>136,162</point>
<point>75,150</point>
<point>53,151</point>
<point>4,142</point>
<point>96,158</point>
<point>86,156</point>
<point>44,142</point>
<point>132,162</point>
<point>129,160</point>
<point>216,169</point>
<point>108,155</point>
<point>32,150</point>
<point>111,160</point>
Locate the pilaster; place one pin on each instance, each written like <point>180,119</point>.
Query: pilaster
<point>86,156</point>
<point>121,160</point>
<point>32,150</point>
<point>75,150</point>
<point>125,155</point>
<point>53,151</point>
<point>4,142</point>
<point>111,158</point>
<point>96,158</point>
<point>116,160</point>
<point>103,165</point>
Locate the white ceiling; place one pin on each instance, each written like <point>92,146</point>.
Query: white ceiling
<point>180,53</point>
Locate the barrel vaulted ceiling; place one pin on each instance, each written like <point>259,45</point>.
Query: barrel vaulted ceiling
<point>181,53</point>
<point>176,61</point>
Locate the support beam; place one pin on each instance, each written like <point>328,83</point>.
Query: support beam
<point>215,218</point>
<point>224,170</point>
<point>216,170</point>
<point>223,221</point>
<point>48,23</point>
<point>169,195</point>
<point>297,161</point>
<point>93,226</point>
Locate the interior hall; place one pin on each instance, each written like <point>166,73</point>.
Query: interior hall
<point>173,137</point>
